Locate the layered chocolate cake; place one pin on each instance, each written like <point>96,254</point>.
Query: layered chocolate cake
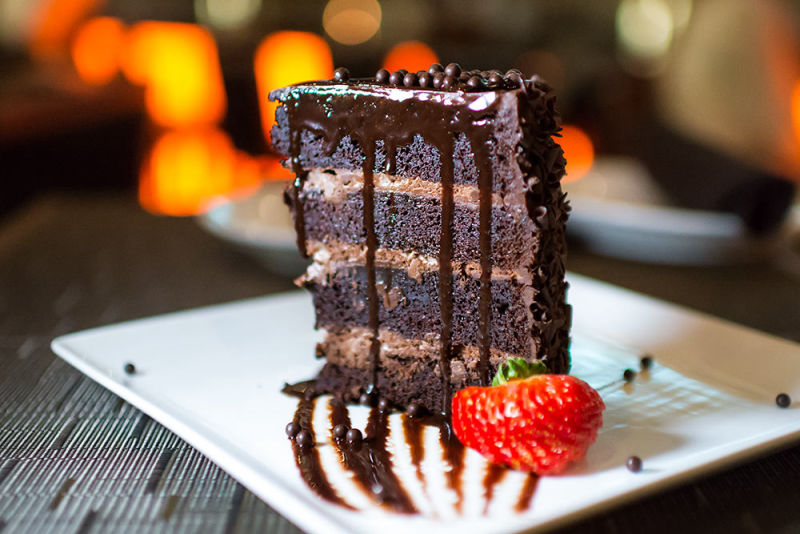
<point>431,207</point>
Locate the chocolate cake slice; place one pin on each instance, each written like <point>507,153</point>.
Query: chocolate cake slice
<point>431,207</point>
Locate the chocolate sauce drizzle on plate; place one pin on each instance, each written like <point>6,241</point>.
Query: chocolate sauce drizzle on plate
<point>371,464</point>
<point>378,116</point>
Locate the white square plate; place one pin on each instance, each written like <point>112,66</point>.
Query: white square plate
<point>214,376</point>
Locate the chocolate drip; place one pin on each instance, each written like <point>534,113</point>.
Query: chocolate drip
<point>526,493</point>
<point>446,273</point>
<point>494,474</point>
<point>300,178</point>
<point>368,193</point>
<point>413,434</point>
<point>370,462</point>
<point>307,457</point>
<point>485,243</point>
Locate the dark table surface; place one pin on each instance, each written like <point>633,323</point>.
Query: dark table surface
<point>75,458</point>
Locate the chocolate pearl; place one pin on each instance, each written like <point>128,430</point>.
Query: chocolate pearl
<point>410,79</point>
<point>474,82</point>
<point>629,375</point>
<point>292,429</point>
<point>438,78</point>
<point>384,405</point>
<point>340,431</point>
<point>434,68</point>
<point>463,77</point>
<point>783,400</point>
<point>453,69</point>
<point>341,74</point>
<point>634,464</point>
<point>304,439</point>
<point>366,399</point>
<point>309,394</point>
<point>414,409</point>
<point>646,362</point>
<point>130,368</point>
<point>396,78</point>
<point>514,79</point>
<point>424,79</point>
<point>448,83</point>
<point>494,80</point>
<point>382,76</point>
<point>354,436</point>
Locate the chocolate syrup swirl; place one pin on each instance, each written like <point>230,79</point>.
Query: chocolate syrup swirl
<point>378,116</point>
<point>369,460</point>
<point>307,457</point>
<point>371,463</point>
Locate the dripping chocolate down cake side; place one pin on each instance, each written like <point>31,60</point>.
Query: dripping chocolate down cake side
<point>431,208</point>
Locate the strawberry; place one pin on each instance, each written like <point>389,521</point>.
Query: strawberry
<point>528,421</point>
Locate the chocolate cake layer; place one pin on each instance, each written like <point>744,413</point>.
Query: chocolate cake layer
<point>409,223</point>
<point>405,304</point>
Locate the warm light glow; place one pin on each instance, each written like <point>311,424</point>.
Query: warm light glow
<point>796,111</point>
<point>186,169</point>
<point>179,66</point>
<point>410,55</point>
<point>578,150</point>
<point>644,27</point>
<point>351,22</point>
<point>96,48</point>
<point>53,24</point>
<point>226,14</point>
<point>284,58</point>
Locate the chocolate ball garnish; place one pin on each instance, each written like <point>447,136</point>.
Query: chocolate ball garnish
<point>353,436</point>
<point>384,405</point>
<point>382,76</point>
<point>634,464</point>
<point>474,82</point>
<point>646,362</point>
<point>130,368</point>
<point>341,74</point>
<point>438,78</point>
<point>366,399</point>
<point>453,69</point>
<point>410,79</point>
<point>434,68</point>
<point>340,431</point>
<point>304,439</point>
<point>783,400</point>
<point>414,409</point>
<point>494,80</point>
<point>449,82</point>
<point>424,79</point>
<point>628,375</point>
<point>292,429</point>
<point>396,78</point>
<point>514,79</point>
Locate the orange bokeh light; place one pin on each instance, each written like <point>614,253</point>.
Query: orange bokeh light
<point>179,66</point>
<point>284,58</point>
<point>796,111</point>
<point>186,169</point>
<point>578,150</point>
<point>410,55</point>
<point>53,23</point>
<point>96,48</point>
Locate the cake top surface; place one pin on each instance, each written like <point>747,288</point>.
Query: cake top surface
<point>448,84</point>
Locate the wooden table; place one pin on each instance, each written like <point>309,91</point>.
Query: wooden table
<point>75,458</point>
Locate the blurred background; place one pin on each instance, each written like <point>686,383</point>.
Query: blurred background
<point>681,117</point>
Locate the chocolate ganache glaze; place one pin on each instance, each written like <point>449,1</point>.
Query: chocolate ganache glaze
<point>382,114</point>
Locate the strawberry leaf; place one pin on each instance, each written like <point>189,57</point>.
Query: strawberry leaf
<point>517,369</point>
